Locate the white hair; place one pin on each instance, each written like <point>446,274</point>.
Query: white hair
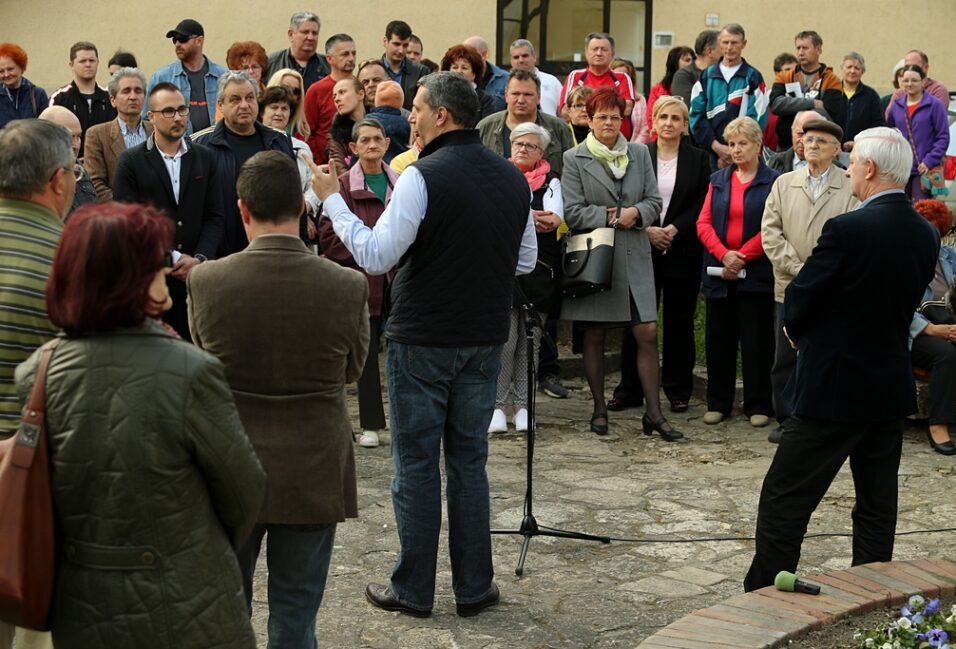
<point>530,128</point>
<point>888,150</point>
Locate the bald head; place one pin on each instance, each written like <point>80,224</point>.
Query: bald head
<point>796,129</point>
<point>65,118</point>
<point>479,44</point>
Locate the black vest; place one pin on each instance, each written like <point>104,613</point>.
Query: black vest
<point>454,285</point>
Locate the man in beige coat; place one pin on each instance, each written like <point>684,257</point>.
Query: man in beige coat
<point>800,202</point>
<point>291,329</point>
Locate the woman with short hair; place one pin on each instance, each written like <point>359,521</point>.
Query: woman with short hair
<point>468,62</point>
<point>19,97</point>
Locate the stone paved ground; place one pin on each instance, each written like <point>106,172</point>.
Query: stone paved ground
<point>589,595</point>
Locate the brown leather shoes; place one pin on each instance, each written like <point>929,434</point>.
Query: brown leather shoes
<point>474,608</point>
<point>380,596</point>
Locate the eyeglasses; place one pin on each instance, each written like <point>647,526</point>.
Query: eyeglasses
<point>78,172</point>
<point>170,113</point>
<point>525,146</point>
<point>607,118</point>
<point>579,106</point>
<point>180,39</point>
<point>812,139</point>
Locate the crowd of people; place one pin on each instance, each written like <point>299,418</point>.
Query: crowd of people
<point>281,214</point>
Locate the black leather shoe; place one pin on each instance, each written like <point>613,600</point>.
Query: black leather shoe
<point>650,427</point>
<point>946,448</point>
<point>679,405</point>
<point>616,405</point>
<point>474,608</point>
<point>776,435</point>
<point>381,597</point>
<point>600,429</point>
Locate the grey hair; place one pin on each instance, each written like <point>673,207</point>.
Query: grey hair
<point>453,92</point>
<point>745,126</point>
<point>736,29</point>
<point>530,128</point>
<point>523,42</point>
<point>232,76</point>
<point>335,39</point>
<point>113,86</point>
<point>300,17</point>
<point>31,150</point>
<point>855,56</point>
<point>367,121</point>
<point>888,150</point>
<point>593,36</point>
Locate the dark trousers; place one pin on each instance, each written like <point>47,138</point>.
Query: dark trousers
<point>177,316</point>
<point>745,319</point>
<point>548,351</point>
<point>371,410</point>
<point>784,361</point>
<point>938,356</point>
<point>809,457</point>
<point>678,300</point>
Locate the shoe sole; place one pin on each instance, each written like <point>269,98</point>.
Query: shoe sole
<point>471,612</point>
<point>555,395</point>
<point>398,608</point>
<point>368,445</point>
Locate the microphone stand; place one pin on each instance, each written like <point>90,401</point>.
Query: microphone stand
<point>529,526</point>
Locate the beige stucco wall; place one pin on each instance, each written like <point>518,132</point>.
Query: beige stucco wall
<point>47,28</point>
<point>882,30</point>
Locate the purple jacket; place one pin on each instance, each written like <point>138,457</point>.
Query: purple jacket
<point>930,128</point>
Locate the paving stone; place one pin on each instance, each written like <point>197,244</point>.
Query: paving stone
<point>660,585</point>
<point>695,575</point>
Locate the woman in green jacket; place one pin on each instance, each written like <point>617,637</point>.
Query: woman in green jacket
<point>154,480</point>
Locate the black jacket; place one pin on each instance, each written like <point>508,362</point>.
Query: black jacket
<point>849,311</point>
<point>409,83</point>
<point>862,111</point>
<point>690,188</point>
<point>89,113</point>
<point>234,236</point>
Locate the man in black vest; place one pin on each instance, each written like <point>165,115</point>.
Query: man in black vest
<point>458,227</point>
<point>848,312</point>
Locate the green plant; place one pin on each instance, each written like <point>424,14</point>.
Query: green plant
<point>921,625</point>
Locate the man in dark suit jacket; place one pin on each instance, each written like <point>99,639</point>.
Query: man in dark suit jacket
<point>181,179</point>
<point>248,311</point>
<point>848,312</point>
<point>400,68</point>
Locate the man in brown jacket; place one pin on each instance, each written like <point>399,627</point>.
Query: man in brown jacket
<point>291,329</point>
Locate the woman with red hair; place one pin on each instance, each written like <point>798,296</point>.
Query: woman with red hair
<point>19,98</point>
<point>609,183</point>
<point>933,347</point>
<point>250,57</point>
<point>467,62</point>
<point>154,481</point>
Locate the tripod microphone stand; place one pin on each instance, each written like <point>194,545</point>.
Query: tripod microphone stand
<point>529,526</point>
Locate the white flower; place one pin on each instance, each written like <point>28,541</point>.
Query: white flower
<point>904,623</point>
<point>886,645</point>
<point>870,643</point>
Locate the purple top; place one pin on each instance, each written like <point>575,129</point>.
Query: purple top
<point>930,128</point>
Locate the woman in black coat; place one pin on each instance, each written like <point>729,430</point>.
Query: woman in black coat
<point>683,174</point>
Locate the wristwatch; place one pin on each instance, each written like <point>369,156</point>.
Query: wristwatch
<point>201,258</point>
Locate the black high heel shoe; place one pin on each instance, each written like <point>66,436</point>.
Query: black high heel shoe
<point>946,448</point>
<point>600,429</point>
<point>650,426</point>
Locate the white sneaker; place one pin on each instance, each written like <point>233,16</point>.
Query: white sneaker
<point>499,422</point>
<point>521,420</point>
<point>369,439</point>
<point>712,417</point>
<point>759,421</point>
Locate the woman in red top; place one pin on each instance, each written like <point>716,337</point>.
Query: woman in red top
<point>738,278</point>
<point>679,57</point>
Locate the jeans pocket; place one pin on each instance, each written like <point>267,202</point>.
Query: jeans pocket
<point>432,364</point>
<point>489,361</point>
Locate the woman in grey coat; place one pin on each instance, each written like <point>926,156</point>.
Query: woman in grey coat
<point>608,182</point>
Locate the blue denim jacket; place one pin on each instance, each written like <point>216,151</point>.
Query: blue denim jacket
<point>947,259</point>
<point>176,75</point>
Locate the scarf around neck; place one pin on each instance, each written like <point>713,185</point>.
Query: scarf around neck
<point>537,175</point>
<point>614,160</point>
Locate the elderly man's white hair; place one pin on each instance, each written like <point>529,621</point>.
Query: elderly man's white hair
<point>888,150</point>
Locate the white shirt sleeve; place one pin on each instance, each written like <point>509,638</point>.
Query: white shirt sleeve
<point>528,252</point>
<point>379,249</point>
<point>554,199</point>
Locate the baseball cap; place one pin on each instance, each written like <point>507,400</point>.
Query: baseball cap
<point>186,29</point>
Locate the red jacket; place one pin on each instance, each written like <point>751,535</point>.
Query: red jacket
<point>365,205</point>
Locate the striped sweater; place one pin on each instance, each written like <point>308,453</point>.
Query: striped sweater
<point>28,238</point>
<point>715,102</point>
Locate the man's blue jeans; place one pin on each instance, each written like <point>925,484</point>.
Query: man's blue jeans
<point>298,557</point>
<point>441,395</point>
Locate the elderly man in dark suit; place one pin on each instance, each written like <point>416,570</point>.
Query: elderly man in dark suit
<point>167,171</point>
<point>248,311</point>
<point>853,380</point>
<point>105,143</point>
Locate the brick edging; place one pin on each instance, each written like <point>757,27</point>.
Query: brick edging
<point>769,618</point>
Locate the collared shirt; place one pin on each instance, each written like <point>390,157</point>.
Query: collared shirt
<point>174,165</point>
<point>131,137</point>
<point>396,76</point>
<point>798,163</point>
<point>885,192</point>
<point>379,249</point>
<point>818,184</point>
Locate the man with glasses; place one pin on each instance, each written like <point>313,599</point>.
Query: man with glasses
<point>180,178</point>
<point>237,137</point>
<point>800,203</point>
<point>793,158</point>
<point>302,54</point>
<point>85,191</point>
<point>193,73</point>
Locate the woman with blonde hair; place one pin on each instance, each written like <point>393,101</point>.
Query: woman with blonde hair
<point>298,124</point>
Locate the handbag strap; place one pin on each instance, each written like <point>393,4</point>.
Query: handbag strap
<point>909,130</point>
<point>33,423</point>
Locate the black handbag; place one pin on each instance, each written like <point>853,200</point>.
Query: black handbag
<point>937,312</point>
<point>587,262</point>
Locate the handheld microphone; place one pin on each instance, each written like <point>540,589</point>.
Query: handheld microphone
<point>787,581</point>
